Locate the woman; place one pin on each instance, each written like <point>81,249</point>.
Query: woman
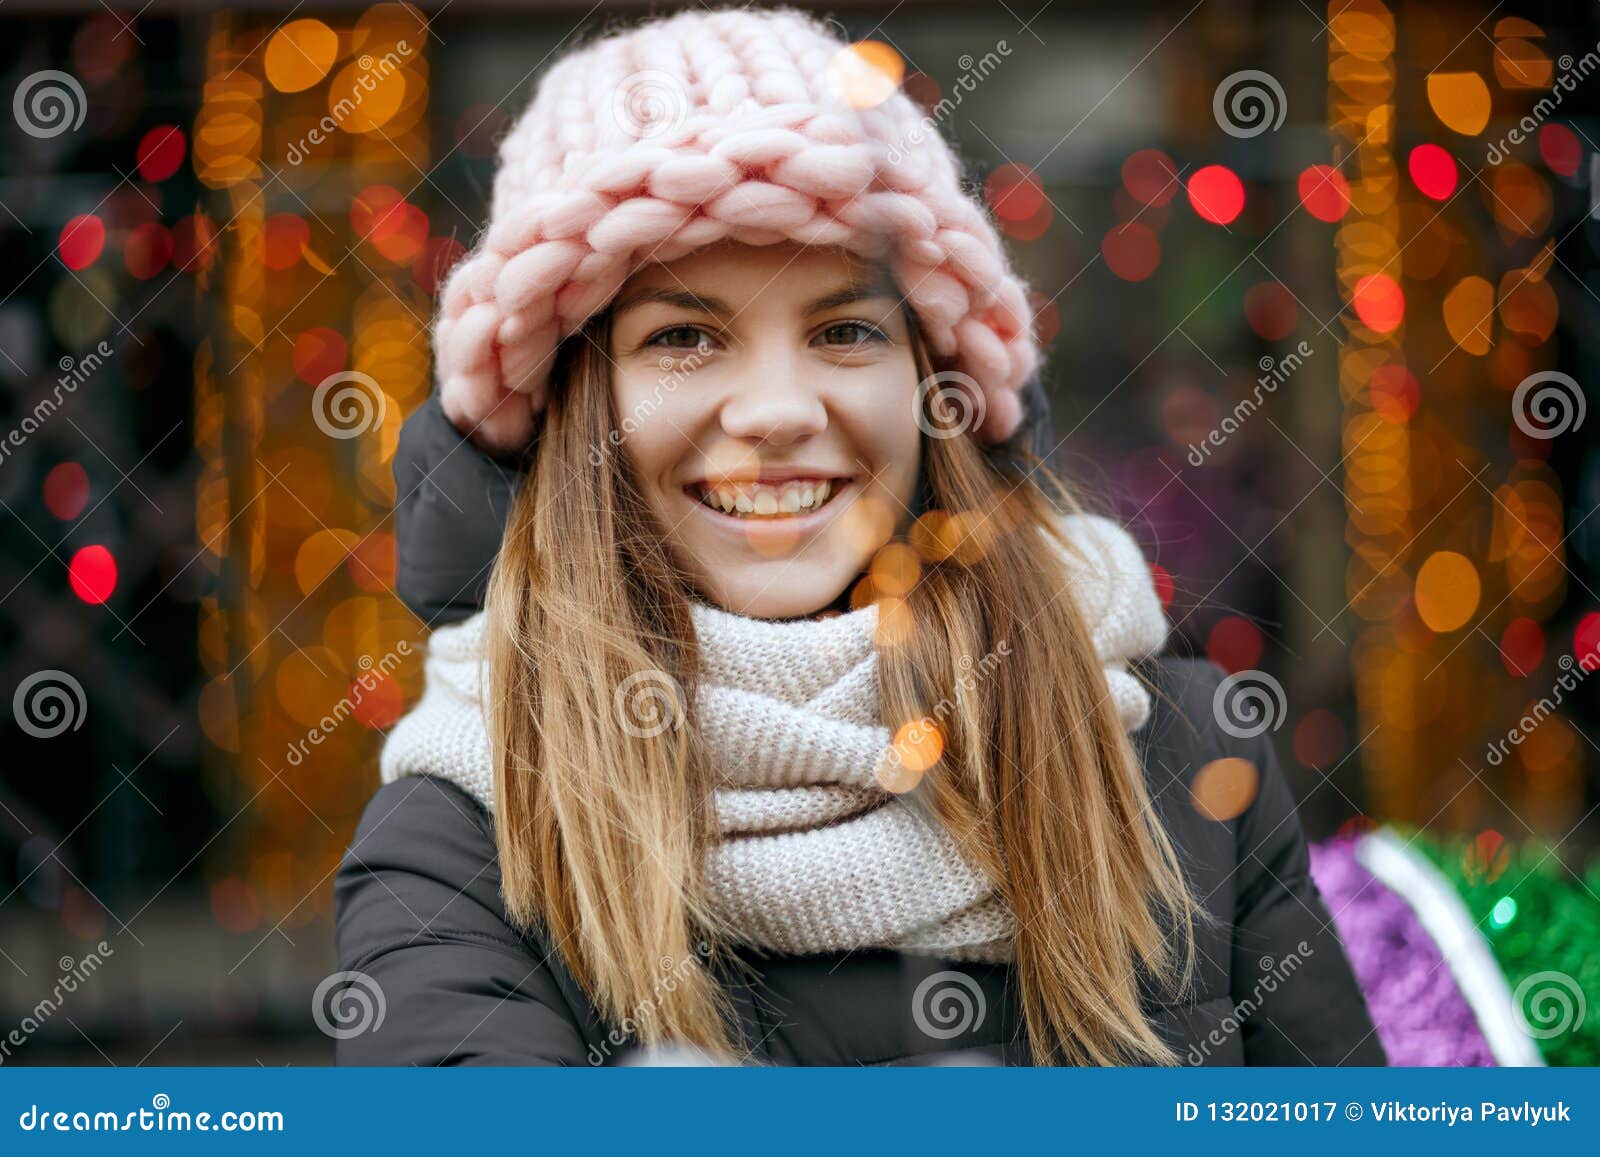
<point>804,723</point>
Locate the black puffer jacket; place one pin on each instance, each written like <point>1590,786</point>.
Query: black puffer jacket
<point>419,909</point>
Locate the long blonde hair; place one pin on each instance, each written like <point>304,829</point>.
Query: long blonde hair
<point>603,832</point>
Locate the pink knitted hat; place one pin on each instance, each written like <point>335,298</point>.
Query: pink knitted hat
<point>704,126</point>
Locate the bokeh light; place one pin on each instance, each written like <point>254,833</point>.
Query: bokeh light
<point>93,574</point>
<point>1216,194</point>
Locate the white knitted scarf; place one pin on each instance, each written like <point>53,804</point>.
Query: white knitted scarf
<point>816,854</point>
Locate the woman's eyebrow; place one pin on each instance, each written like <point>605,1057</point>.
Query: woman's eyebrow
<point>683,298</point>
<point>688,299</point>
<point>855,291</point>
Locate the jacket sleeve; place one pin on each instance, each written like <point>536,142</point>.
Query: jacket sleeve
<point>451,502</point>
<point>1289,968</point>
<point>417,914</point>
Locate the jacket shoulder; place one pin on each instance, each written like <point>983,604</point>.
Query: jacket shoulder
<point>418,913</point>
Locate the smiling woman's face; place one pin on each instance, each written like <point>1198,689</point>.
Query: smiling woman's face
<point>765,396</point>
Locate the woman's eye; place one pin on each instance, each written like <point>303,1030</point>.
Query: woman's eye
<point>688,338</point>
<point>850,333</point>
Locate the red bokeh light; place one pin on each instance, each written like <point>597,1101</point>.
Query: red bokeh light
<point>317,353</point>
<point>1234,644</point>
<point>1561,149</point>
<point>1586,641</point>
<point>1521,647</point>
<point>147,250</point>
<point>161,152</point>
<point>1163,583</point>
<point>1324,192</point>
<point>1216,193</point>
<point>1150,177</point>
<point>1014,193</point>
<point>66,491</point>
<point>1379,302</point>
<point>284,238</point>
<point>93,574</point>
<point>1433,171</point>
<point>1394,393</point>
<point>82,240</point>
<point>1271,310</point>
<point>1131,251</point>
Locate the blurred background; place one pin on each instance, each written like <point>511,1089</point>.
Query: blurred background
<point>1319,284</point>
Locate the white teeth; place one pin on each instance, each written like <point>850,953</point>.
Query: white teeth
<point>764,500</point>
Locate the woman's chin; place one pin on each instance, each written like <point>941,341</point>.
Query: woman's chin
<point>780,594</point>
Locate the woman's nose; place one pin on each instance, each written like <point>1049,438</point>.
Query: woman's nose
<point>775,400</point>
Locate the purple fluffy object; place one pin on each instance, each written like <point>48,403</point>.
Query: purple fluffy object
<point>1421,1015</point>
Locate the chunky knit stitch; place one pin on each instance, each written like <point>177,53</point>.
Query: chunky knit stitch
<point>705,126</point>
<point>816,854</point>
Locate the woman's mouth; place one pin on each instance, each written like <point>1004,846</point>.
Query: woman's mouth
<point>769,501</point>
